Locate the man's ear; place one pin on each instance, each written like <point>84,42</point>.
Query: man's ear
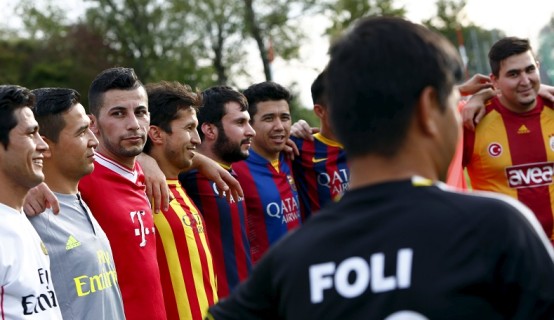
<point>319,111</point>
<point>428,108</point>
<point>209,130</point>
<point>494,80</point>
<point>156,135</point>
<point>94,125</point>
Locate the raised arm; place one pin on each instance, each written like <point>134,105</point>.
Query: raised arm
<point>156,185</point>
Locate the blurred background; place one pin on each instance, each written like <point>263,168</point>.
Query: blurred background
<point>46,43</point>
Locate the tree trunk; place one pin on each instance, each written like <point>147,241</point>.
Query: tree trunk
<point>257,35</point>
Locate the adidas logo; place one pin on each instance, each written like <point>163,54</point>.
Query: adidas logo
<point>523,130</point>
<point>71,243</point>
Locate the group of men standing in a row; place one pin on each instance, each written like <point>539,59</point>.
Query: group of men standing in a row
<point>113,253</point>
<point>174,262</point>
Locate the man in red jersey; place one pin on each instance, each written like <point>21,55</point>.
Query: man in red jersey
<point>115,190</point>
<point>184,256</point>
<point>512,148</point>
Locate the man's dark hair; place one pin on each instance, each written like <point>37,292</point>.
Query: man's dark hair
<point>505,48</point>
<point>110,79</point>
<point>165,100</point>
<point>213,105</point>
<point>378,71</point>
<point>265,91</point>
<point>319,92</point>
<point>12,97</point>
<point>50,105</point>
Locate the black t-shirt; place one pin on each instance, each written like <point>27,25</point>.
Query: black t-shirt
<point>405,248</point>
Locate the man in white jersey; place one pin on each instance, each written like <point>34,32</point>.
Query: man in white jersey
<point>26,289</point>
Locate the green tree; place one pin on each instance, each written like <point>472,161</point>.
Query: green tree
<point>215,29</point>
<point>343,13</point>
<point>50,52</point>
<point>472,41</point>
<point>546,52</point>
<point>274,26</point>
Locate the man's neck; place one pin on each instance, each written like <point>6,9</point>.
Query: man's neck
<point>206,149</point>
<point>168,169</point>
<point>60,185</point>
<point>128,162</point>
<point>268,156</point>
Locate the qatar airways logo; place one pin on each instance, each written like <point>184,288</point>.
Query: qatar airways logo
<point>337,181</point>
<point>287,210</point>
<point>495,149</point>
<point>530,175</point>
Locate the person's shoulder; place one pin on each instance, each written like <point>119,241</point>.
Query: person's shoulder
<point>547,103</point>
<point>189,175</point>
<point>497,209</point>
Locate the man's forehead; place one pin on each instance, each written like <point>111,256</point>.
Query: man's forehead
<point>125,98</point>
<point>517,61</point>
<point>236,113</point>
<point>25,118</point>
<point>273,107</point>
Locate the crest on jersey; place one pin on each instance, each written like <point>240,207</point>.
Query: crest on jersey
<point>551,142</point>
<point>291,182</point>
<point>495,149</point>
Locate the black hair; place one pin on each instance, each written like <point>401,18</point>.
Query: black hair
<point>114,78</point>
<point>166,99</point>
<point>265,91</point>
<point>377,72</point>
<point>505,48</point>
<point>50,105</point>
<point>213,105</point>
<point>12,98</point>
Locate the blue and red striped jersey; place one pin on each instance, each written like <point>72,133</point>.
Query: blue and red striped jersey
<point>271,200</point>
<point>226,229</point>
<point>321,172</point>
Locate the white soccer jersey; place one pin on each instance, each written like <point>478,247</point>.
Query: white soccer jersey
<point>26,289</point>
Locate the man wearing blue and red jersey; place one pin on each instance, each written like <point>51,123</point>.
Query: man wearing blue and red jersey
<point>226,136</point>
<point>321,171</point>
<point>512,148</point>
<point>184,256</point>
<point>266,176</point>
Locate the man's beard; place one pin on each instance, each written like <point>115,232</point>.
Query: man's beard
<point>228,151</point>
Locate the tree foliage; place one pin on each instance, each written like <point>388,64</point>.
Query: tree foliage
<point>451,22</point>
<point>546,52</point>
<point>274,26</point>
<point>343,13</point>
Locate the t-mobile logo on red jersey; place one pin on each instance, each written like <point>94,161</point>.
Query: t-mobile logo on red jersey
<point>141,229</point>
<point>530,175</point>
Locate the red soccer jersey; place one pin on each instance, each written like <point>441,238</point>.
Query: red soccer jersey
<point>117,199</point>
<point>184,257</point>
<point>513,154</point>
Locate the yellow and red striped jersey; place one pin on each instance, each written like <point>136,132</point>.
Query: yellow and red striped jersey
<point>513,153</point>
<point>184,258</point>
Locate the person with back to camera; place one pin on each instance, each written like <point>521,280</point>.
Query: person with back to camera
<point>408,246</point>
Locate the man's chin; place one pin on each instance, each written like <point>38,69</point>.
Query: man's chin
<point>528,102</point>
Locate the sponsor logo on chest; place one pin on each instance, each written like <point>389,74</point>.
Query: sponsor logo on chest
<point>530,175</point>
